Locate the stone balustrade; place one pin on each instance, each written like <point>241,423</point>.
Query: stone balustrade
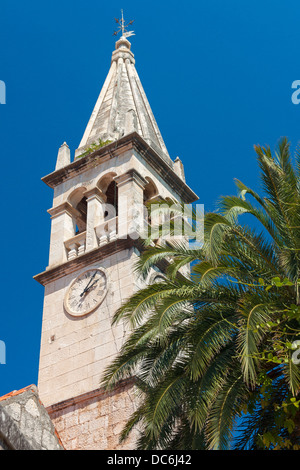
<point>75,246</point>
<point>107,231</point>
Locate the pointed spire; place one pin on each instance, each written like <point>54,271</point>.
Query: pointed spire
<point>178,168</point>
<point>63,156</point>
<point>122,106</point>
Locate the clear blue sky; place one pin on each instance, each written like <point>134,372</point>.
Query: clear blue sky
<point>218,77</point>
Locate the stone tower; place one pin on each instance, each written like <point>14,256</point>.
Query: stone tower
<point>121,163</point>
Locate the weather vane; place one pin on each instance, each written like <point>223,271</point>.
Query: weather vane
<point>123,27</point>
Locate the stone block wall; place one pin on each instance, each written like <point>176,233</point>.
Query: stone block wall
<point>25,423</point>
<point>94,421</point>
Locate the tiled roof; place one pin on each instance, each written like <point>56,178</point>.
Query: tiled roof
<point>17,392</point>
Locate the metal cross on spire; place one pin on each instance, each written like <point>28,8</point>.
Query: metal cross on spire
<point>123,27</point>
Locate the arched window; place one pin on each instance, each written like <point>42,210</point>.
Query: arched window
<point>79,202</point>
<point>112,196</point>
<point>150,193</point>
<point>150,190</point>
<point>81,219</point>
<point>109,187</point>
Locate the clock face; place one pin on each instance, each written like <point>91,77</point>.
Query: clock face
<point>86,292</point>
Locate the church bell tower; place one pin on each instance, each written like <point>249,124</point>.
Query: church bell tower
<point>121,163</point>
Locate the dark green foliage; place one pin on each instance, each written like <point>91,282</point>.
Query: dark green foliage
<point>215,348</point>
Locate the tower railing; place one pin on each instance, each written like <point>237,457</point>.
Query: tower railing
<point>75,246</point>
<point>107,231</point>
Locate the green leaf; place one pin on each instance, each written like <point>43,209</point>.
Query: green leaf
<point>290,425</point>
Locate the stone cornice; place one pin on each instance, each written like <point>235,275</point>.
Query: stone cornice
<point>99,393</point>
<point>130,175</point>
<point>56,272</point>
<point>64,207</point>
<point>90,257</point>
<point>97,193</point>
<point>131,141</point>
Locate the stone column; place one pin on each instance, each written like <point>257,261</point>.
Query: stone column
<point>95,216</point>
<point>63,223</point>
<point>155,218</point>
<point>131,216</point>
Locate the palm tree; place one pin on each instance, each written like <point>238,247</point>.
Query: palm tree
<point>214,349</point>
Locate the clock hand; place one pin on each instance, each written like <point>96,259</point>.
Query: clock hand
<point>86,288</point>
